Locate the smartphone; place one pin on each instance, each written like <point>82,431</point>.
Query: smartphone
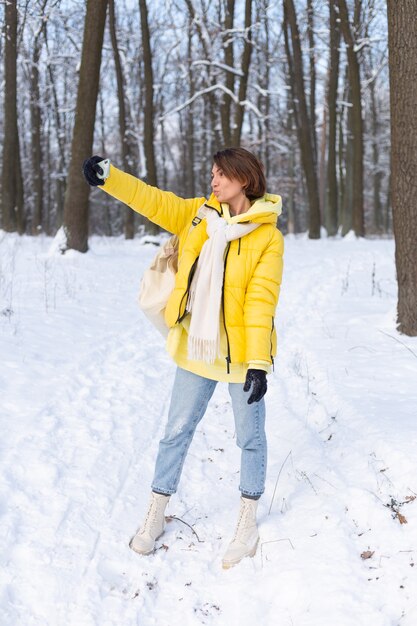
<point>105,166</point>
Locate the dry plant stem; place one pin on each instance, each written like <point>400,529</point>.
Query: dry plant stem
<point>325,481</point>
<point>274,541</point>
<point>399,341</point>
<point>305,476</point>
<point>171,517</point>
<point>276,483</point>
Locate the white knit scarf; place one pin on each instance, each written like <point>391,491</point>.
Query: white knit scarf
<point>206,288</point>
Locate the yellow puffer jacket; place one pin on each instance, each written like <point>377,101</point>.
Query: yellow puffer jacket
<point>253,264</point>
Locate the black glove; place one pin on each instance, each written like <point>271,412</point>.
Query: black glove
<point>90,168</point>
<point>256,379</point>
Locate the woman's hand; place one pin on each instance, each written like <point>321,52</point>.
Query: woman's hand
<point>256,379</point>
<point>91,169</point>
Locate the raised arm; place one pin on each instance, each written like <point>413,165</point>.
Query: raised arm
<point>161,207</point>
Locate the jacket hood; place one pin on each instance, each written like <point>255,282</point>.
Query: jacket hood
<point>264,210</point>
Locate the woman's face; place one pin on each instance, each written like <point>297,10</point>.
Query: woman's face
<point>225,189</point>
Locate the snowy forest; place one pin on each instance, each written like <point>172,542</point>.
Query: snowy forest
<point>324,93</point>
<point>180,79</point>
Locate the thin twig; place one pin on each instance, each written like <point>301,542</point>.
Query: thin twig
<point>399,341</point>
<point>171,517</point>
<point>304,475</point>
<point>324,480</point>
<point>276,483</point>
<point>273,541</point>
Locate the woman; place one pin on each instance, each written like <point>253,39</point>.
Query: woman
<point>221,320</point>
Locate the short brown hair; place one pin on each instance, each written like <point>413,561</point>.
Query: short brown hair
<point>240,164</point>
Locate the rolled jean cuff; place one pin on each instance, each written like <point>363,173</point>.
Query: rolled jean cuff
<point>251,496</point>
<point>165,492</point>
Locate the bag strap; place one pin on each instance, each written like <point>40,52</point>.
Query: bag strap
<point>201,214</point>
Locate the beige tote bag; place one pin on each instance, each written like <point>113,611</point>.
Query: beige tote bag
<point>158,283</point>
<point>158,280</point>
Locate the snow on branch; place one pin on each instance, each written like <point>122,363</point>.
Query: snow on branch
<point>222,66</point>
<point>202,92</point>
<point>361,43</point>
<point>266,92</point>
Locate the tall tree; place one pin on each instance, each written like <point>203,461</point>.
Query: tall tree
<point>243,84</point>
<point>355,116</point>
<point>149,113</point>
<point>77,192</point>
<point>331,205</point>
<point>312,71</point>
<point>303,121</point>
<point>189,164</point>
<point>375,137</point>
<point>376,169</point>
<point>61,153</point>
<point>226,106</point>
<point>402,38</point>
<point>12,186</point>
<point>129,223</point>
<point>36,123</point>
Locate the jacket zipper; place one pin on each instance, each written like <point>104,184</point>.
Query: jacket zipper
<point>238,250</point>
<point>185,294</point>
<point>228,359</point>
<point>191,274</point>
<point>214,209</point>
<point>272,330</point>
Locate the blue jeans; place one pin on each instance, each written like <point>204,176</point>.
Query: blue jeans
<point>190,396</point>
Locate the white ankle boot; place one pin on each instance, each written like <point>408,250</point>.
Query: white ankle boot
<point>246,538</point>
<point>144,540</point>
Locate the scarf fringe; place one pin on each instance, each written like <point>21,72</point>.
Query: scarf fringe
<point>204,298</point>
<point>191,298</point>
<point>200,349</point>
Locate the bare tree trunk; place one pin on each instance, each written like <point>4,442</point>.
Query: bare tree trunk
<point>402,37</point>
<point>149,113</point>
<point>292,225</point>
<point>266,83</point>
<point>77,193</point>
<point>346,216</point>
<point>321,168</point>
<point>331,207</point>
<point>36,123</point>
<point>312,60</point>
<point>60,183</point>
<point>190,183</point>
<point>225,109</point>
<point>12,187</point>
<point>304,124</point>
<point>377,174</point>
<point>356,118</point>
<point>292,120</point>
<point>149,133</point>
<point>104,201</point>
<point>205,148</point>
<point>47,160</point>
<point>243,84</point>
<point>342,162</point>
<point>36,147</point>
<point>388,206</point>
<point>129,215</point>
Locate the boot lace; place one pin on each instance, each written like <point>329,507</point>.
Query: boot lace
<point>151,516</point>
<point>242,523</point>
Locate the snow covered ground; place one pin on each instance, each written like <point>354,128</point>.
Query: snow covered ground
<point>84,390</point>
